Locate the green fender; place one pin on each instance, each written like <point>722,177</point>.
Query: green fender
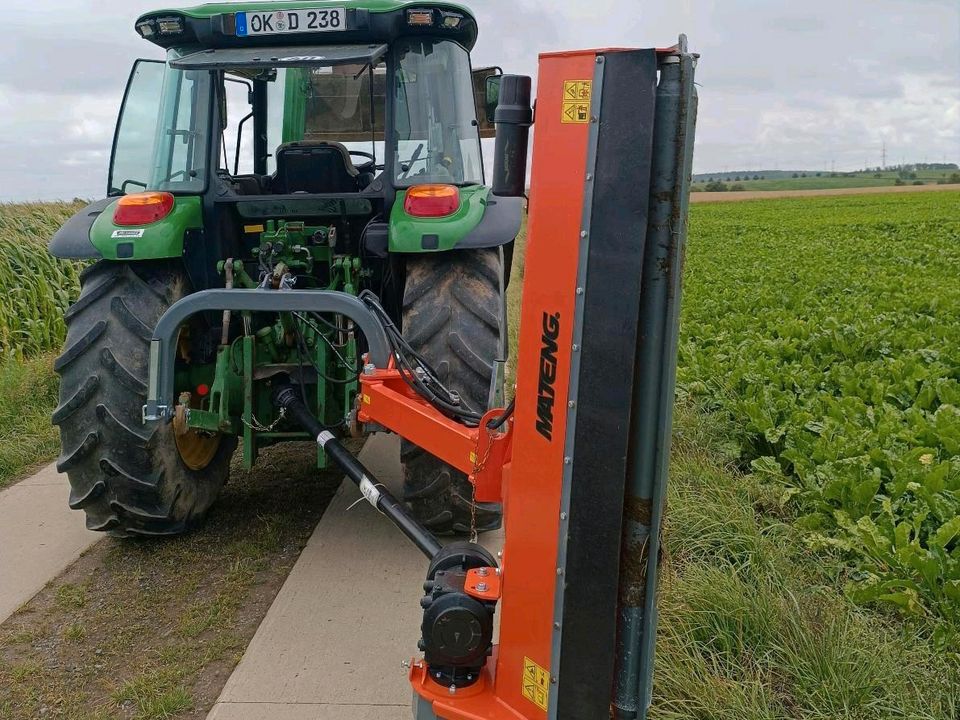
<point>91,233</point>
<point>482,221</point>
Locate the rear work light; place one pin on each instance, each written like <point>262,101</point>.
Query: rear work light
<point>147,29</point>
<point>429,201</point>
<point>170,25</point>
<point>420,18</point>
<point>142,208</point>
<point>452,21</point>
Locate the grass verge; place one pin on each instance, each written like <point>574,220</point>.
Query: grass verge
<point>753,626</point>
<point>152,630</point>
<point>28,395</point>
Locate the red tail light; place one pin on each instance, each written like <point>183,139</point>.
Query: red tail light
<point>142,208</point>
<point>432,200</point>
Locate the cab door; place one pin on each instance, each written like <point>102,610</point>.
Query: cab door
<point>135,137</point>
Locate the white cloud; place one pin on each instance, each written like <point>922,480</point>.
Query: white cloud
<point>782,83</point>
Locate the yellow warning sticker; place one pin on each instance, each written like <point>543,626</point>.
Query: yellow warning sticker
<point>575,107</point>
<point>536,684</point>
<point>253,228</point>
<point>366,399</point>
<point>577,89</point>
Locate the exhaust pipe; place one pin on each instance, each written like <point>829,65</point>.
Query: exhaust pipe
<point>513,119</point>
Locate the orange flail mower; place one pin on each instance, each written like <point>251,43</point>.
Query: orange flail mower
<point>611,154</point>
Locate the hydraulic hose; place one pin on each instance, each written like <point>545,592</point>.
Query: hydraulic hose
<point>288,398</point>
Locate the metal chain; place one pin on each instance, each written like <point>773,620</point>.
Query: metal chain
<point>474,535</point>
<point>256,425</point>
<point>478,465</point>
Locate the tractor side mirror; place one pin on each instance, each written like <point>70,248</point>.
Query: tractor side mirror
<point>486,93</point>
<point>492,96</point>
<point>513,118</point>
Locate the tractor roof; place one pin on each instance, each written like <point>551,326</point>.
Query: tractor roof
<point>215,25</point>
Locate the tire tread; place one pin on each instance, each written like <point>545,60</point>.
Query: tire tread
<point>451,316</point>
<point>127,478</point>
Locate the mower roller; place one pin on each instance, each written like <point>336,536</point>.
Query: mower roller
<point>354,300</point>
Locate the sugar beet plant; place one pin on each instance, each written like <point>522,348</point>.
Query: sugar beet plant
<point>830,329</point>
<point>35,288</point>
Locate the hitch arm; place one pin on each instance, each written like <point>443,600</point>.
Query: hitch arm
<point>163,346</point>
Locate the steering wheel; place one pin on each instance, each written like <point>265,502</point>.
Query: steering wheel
<point>370,157</point>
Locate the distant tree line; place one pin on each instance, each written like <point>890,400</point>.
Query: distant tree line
<point>717,186</point>
<point>737,179</point>
<point>902,175</point>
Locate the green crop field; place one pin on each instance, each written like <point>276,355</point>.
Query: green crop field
<point>37,287</point>
<point>754,623</point>
<point>828,329</point>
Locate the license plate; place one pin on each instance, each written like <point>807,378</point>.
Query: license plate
<point>283,22</point>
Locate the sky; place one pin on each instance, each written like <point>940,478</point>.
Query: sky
<point>784,84</point>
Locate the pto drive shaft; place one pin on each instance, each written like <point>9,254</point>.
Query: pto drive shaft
<point>287,398</point>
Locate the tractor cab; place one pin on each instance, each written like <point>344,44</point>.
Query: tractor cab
<point>290,112</point>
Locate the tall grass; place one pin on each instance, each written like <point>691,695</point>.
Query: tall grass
<point>35,290</point>
<point>752,626</point>
<point>36,287</point>
<point>28,395</point>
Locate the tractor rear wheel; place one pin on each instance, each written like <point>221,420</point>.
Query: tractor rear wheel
<point>129,478</point>
<point>453,316</point>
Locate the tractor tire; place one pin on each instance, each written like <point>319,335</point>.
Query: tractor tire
<point>130,479</point>
<point>453,316</point>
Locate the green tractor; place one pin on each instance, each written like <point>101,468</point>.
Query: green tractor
<point>327,145</point>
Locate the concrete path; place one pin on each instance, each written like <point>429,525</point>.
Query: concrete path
<point>331,646</point>
<point>39,536</point>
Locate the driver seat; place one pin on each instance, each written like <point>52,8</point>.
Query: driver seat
<point>315,167</point>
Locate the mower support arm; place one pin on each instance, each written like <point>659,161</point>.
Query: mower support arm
<point>163,346</point>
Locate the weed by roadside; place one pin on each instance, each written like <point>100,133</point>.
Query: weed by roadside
<point>28,395</point>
